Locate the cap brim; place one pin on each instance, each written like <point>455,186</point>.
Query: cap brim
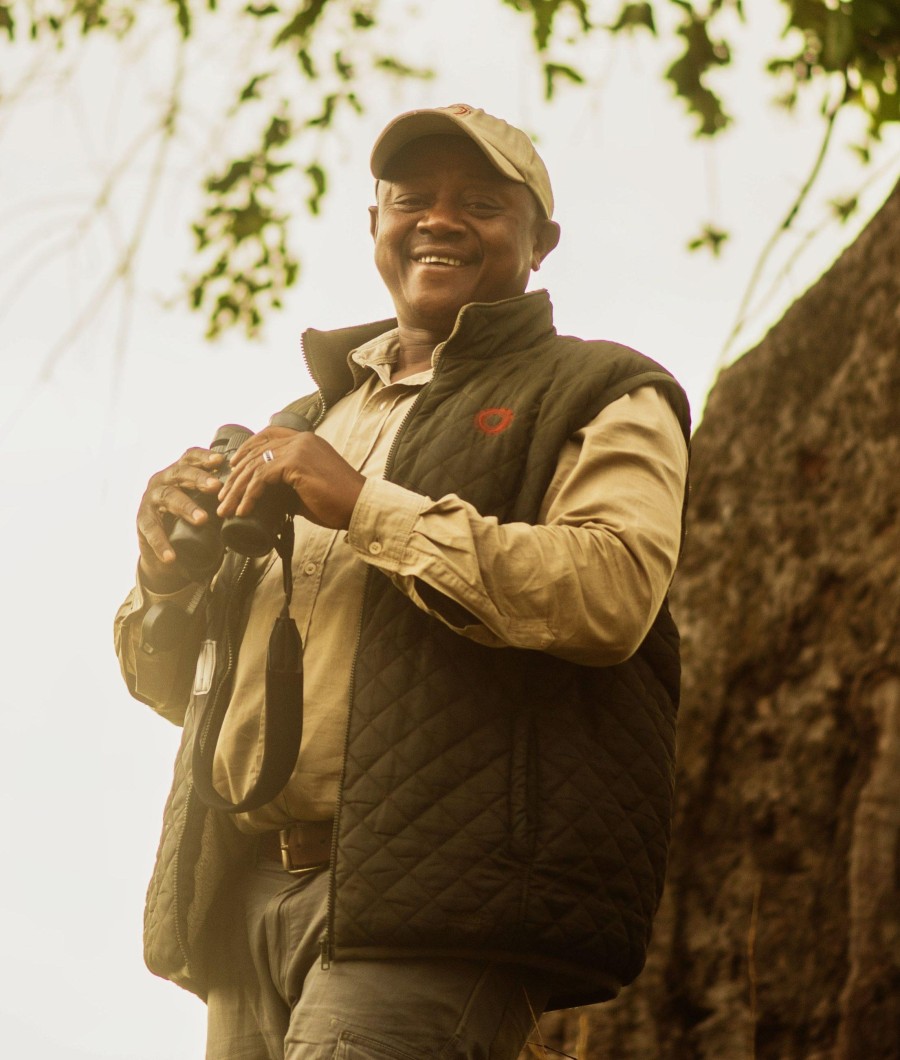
<point>419,123</point>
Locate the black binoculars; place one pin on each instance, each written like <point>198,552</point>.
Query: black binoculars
<point>200,549</point>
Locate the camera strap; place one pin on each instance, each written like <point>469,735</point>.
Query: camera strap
<point>282,720</point>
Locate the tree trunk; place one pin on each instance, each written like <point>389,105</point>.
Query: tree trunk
<point>779,932</point>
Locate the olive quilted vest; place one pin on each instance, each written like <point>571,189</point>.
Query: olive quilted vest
<point>504,803</point>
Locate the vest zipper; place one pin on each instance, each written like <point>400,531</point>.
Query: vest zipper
<point>312,375</point>
<point>326,943</point>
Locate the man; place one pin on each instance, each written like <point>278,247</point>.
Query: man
<point>489,518</point>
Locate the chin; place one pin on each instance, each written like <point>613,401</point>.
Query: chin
<point>437,315</point>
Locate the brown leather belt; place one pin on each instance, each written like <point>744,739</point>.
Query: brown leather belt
<point>300,847</point>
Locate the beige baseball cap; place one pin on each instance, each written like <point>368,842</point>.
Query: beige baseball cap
<point>507,148</point>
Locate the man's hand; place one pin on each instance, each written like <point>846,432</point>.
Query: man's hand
<point>327,486</point>
<point>165,500</point>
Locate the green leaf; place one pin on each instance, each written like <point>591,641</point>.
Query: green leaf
<point>688,71</point>
<point>319,181</point>
<point>710,238</point>
<point>306,64</point>
<point>632,17</point>
<point>544,12</point>
<point>844,209</point>
<point>278,132</point>
<point>183,15</point>
<point>249,220</point>
<point>390,65</point>
<point>237,171</point>
<point>301,24</point>
<point>249,90</point>
<point>343,69</point>
<point>554,70</point>
<point>7,21</point>
<point>323,120</point>
<point>362,19</point>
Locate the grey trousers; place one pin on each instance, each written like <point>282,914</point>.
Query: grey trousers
<point>271,999</point>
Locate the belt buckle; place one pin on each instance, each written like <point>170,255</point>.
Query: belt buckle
<point>287,862</point>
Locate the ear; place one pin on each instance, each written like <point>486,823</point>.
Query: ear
<point>546,236</point>
<point>373,221</point>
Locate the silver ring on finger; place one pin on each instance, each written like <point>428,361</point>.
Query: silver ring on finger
<point>268,456</point>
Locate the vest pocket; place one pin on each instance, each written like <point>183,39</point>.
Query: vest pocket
<point>523,776</point>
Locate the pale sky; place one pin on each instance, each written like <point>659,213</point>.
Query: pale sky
<point>87,769</point>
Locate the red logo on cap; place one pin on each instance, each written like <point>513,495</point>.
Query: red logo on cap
<point>460,109</point>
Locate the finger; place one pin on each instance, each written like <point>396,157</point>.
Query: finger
<point>185,476</point>
<point>244,487</point>
<point>271,438</point>
<point>249,450</point>
<point>201,460</point>
<point>153,541</point>
<point>202,457</point>
<point>176,502</point>
<point>194,469</point>
<point>259,460</point>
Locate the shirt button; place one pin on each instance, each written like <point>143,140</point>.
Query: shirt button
<point>375,548</point>
<point>309,568</point>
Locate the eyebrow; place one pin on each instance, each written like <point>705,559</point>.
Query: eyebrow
<point>471,180</point>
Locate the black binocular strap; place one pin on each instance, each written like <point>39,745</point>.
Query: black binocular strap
<point>282,718</point>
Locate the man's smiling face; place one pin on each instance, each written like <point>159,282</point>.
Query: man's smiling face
<point>450,229</point>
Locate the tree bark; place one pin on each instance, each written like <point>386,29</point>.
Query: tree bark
<point>779,931</point>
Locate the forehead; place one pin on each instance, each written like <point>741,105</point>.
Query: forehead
<point>434,156</point>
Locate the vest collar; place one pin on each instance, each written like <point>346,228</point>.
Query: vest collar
<point>482,329</point>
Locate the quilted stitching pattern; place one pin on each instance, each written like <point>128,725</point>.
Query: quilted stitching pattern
<point>452,835</point>
<point>197,850</point>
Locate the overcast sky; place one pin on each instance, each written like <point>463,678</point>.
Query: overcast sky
<point>87,769</point>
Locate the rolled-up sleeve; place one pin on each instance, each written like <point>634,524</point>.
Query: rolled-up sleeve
<point>587,581</point>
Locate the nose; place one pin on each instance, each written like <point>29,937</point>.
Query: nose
<point>442,218</point>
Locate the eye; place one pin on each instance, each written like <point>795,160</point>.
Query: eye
<point>483,206</point>
<point>410,202</point>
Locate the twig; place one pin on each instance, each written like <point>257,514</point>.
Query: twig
<point>785,225</point>
<point>122,271</point>
<point>892,163</point>
<point>125,264</point>
<point>548,1049</point>
<point>539,1047</point>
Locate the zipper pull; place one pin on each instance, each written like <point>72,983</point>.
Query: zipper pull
<point>325,951</point>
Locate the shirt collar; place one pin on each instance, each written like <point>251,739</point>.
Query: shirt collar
<point>380,355</point>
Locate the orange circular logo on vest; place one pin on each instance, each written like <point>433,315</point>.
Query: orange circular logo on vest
<point>494,421</point>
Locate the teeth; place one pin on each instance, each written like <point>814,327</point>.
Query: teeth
<point>433,259</point>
